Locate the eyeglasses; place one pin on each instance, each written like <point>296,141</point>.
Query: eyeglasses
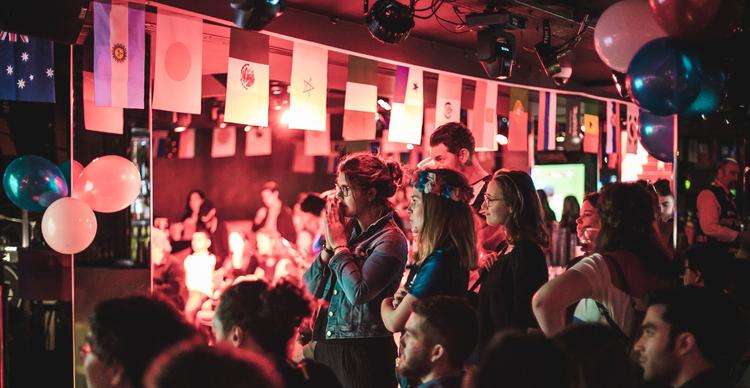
<point>344,190</point>
<point>489,199</point>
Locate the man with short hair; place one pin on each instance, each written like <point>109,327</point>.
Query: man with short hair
<point>126,335</point>
<point>691,337</point>
<point>439,337</point>
<point>665,207</point>
<point>452,147</point>
<point>718,219</point>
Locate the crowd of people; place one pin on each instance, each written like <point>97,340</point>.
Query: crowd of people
<point>454,287</point>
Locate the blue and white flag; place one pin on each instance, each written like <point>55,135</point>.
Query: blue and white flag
<point>27,70</point>
<point>546,130</point>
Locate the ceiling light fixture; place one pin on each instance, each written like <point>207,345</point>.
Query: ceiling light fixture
<point>390,21</point>
<point>256,14</point>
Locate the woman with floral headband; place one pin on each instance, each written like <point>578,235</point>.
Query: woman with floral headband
<point>443,220</point>
<point>521,268</point>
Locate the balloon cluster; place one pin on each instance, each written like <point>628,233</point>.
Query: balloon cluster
<point>675,56</point>
<point>108,184</point>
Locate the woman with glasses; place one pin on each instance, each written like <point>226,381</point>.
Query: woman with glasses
<point>443,220</point>
<point>520,268</point>
<point>362,264</point>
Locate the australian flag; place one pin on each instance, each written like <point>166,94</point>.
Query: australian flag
<point>27,71</point>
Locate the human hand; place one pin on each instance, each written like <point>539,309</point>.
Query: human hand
<point>489,260</point>
<point>399,296</point>
<point>308,351</point>
<point>334,228</point>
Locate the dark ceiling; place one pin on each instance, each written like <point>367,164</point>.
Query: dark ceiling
<point>446,27</point>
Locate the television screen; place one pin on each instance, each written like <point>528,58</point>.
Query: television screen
<point>559,181</point>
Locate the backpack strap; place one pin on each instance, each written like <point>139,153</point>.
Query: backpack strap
<point>626,288</point>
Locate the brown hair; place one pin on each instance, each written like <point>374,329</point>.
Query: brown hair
<point>526,221</point>
<point>448,222</point>
<point>627,212</point>
<point>366,171</point>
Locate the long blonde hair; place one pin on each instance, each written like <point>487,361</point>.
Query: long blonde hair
<point>448,222</point>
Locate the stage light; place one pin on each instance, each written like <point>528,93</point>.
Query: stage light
<point>496,52</point>
<point>248,128</point>
<point>384,104</point>
<point>256,14</point>
<point>180,129</point>
<point>410,147</point>
<point>390,21</point>
<point>285,117</point>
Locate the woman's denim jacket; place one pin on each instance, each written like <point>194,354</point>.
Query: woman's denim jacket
<point>356,280</point>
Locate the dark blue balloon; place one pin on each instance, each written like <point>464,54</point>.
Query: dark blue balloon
<point>712,92</point>
<point>664,76</point>
<point>657,135</point>
<point>33,183</point>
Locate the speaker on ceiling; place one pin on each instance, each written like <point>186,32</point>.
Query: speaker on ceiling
<point>57,20</point>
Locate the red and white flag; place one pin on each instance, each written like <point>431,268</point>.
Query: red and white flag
<point>186,149</point>
<point>484,124</point>
<point>361,99</point>
<point>319,143</point>
<point>178,63</point>
<point>99,118</point>
<point>224,142</point>
<point>448,103</point>
<point>308,87</point>
<point>258,141</point>
<point>247,79</point>
<point>546,130</point>
<point>407,106</point>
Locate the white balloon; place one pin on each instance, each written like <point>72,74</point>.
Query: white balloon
<point>69,225</point>
<point>622,30</point>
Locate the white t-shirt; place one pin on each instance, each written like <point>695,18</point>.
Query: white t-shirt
<point>596,271</point>
<point>199,272</point>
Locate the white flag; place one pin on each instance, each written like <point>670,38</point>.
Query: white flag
<point>448,103</point>
<point>179,56</point>
<point>308,88</point>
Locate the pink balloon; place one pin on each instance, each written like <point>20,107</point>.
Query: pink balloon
<point>684,18</point>
<point>76,168</point>
<point>622,30</point>
<point>68,225</point>
<point>108,184</point>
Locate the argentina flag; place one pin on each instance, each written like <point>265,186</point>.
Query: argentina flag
<point>27,71</point>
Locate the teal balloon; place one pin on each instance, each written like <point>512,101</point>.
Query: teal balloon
<point>664,76</point>
<point>33,183</point>
<point>713,88</point>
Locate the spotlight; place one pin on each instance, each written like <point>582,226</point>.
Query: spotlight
<point>496,52</point>
<point>256,14</point>
<point>619,79</point>
<point>390,21</point>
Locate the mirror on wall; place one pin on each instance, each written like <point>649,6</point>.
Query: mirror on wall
<point>36,286</point>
